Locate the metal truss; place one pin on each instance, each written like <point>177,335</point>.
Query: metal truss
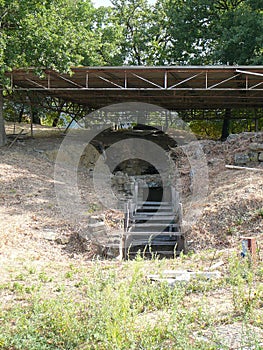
<point>169,87</point>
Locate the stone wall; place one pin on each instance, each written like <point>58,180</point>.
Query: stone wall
<point>123,185</point>
<point>252,151</point>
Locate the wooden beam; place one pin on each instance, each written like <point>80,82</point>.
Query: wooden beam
<point>235,167</point>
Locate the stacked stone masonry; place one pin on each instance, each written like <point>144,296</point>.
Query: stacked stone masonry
<point>254,154</point>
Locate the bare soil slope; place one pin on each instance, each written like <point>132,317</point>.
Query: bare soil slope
<point>31,222</point>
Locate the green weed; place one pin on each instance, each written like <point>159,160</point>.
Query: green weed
<point>115,306</point>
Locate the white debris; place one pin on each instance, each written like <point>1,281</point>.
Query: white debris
<point>173,276</point>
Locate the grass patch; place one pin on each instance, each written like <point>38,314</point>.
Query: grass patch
<point>114,306</point>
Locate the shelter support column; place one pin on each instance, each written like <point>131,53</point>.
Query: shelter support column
<point>2,122</point>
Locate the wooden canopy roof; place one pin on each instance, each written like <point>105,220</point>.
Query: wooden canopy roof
<point>171,87</point>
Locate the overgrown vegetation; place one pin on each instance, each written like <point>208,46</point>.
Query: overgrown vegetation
<point>115,306</point>
<point>209,124</point>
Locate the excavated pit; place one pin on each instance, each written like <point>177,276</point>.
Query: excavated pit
<point>127,172</point>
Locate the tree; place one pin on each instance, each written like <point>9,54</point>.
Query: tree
<point>238,38</point>
<point>135,17</point>
<point>107,35</point>
<point>55,34</point>
<point>238,32</point>
<point>186,27</point>
<point>213,32</point>
<point>32,35</point>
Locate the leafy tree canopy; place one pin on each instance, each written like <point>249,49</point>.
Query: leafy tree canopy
<point>55,34</point>
<point>213,31</point>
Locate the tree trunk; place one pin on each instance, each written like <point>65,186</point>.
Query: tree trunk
<point>55,122</point>
<point>59,111</point>
<point>21,114</point>
<point>35,117</point>
<point>2,123</point>
<point>226,124</point>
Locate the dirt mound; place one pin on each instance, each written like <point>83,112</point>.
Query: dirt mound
<point>234,206</point>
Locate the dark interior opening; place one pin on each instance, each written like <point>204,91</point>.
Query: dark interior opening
<point>155,194</point>
<point>136,166</point>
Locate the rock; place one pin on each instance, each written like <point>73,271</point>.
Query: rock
<point>120,180</point>
<point>94,234</point>
<point>87,159</point>
<point>62,240</point>
<point>256,146</point>
<point>241,158</point>
<point>98,227</point>
<point>94,219</point>
<point>173,276</point>
<point>233,137</point>
<point>215,162</point>
<point>260,157</point>
<point>192,274</point>
<point>216,265</point>
<point>253,156</point>
<point>50,235</point>
<point>39,150</point>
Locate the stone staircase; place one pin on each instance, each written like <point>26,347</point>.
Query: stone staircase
<point>153,228</point>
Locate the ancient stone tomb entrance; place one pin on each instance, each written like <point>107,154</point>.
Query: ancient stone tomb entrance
<point>152,210</point>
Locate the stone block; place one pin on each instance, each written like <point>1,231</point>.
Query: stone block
<point>260,157</point>
<point>241,158</point>
<point>96,228</point>
<point>253,156</point>
<point>256,146</point>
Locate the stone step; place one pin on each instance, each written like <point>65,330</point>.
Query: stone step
<point>154,210</point>
<point>154,203</point>
<point>143,242</point>
<point>153,213</point>
<point>166,253</point>
<point>154,228</point>
<point>159,218</point>
<point>154,224</point>
<point>155,207</point>
<point>153,234</point>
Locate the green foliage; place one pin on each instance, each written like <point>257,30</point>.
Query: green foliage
<point>59,34</point>
<point>208,124</point>
<point>207,128</point>
<point>239,33</point>
<point>212,32</point>
<point>56,34</point>
<point>260,212</point>
<point>245,293</point>
<point>136,21</point>
<point>113,306</point>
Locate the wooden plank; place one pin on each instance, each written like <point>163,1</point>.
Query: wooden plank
<point>163,207</point>
<point>155,224</point>
<point>17,136</point>
<point>131,234</point>
<point>154,203</point>
<point>153,217</point>
<point>151,243</point>
<point>235,167</point>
